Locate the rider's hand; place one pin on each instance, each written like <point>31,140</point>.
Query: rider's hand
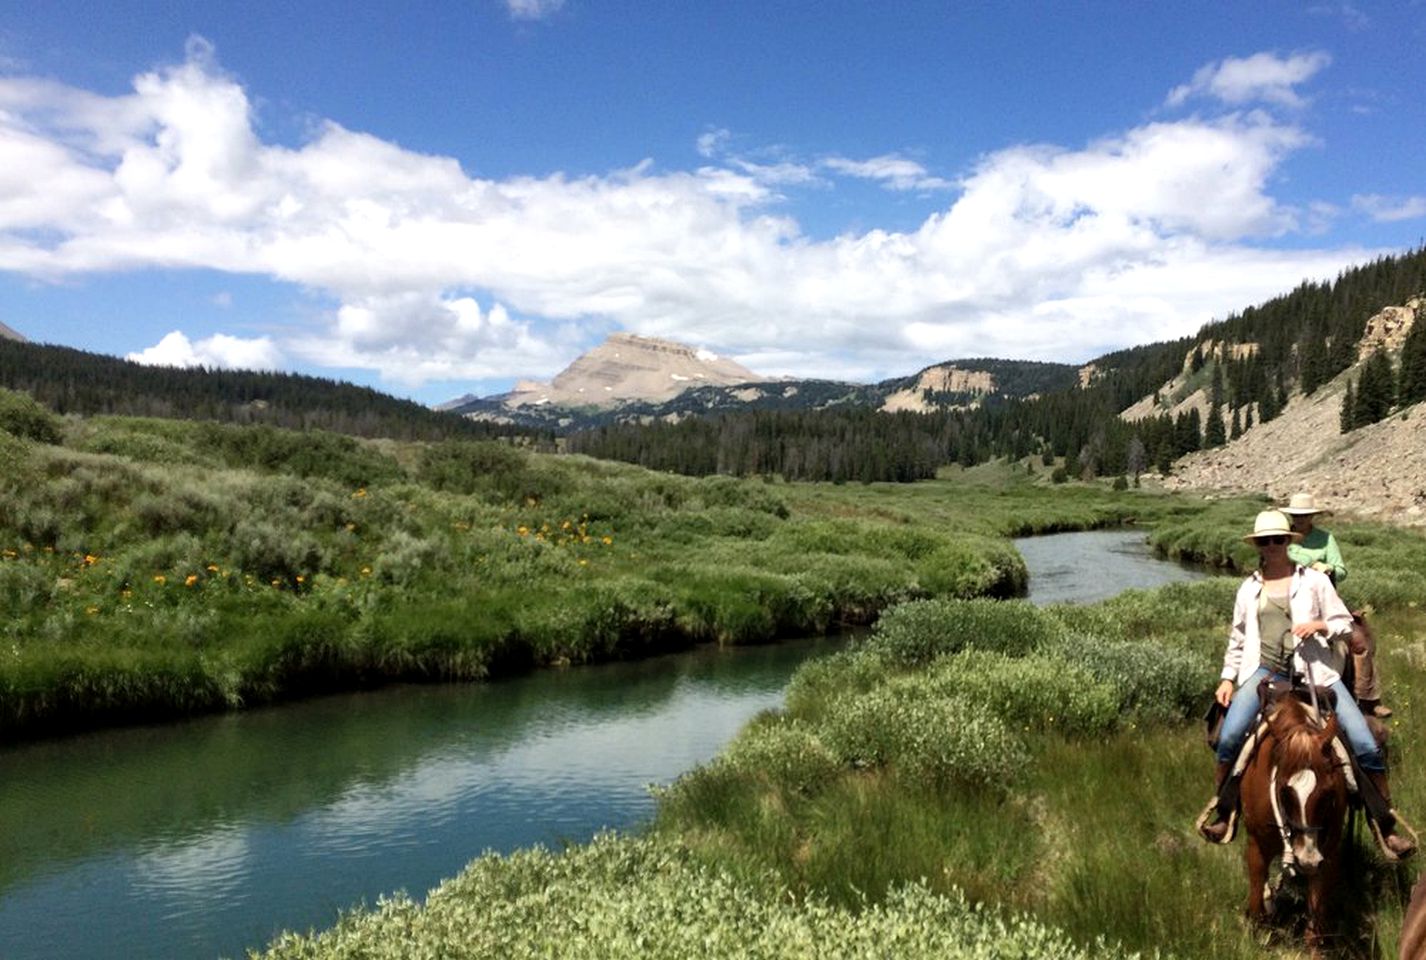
<point>1224,693</point>
<point>1308,627</point>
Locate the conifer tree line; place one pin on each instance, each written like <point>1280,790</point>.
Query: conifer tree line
<point>75,381</point>
<point>1299,340</point>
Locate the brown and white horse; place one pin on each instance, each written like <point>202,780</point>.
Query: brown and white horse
<point>1294,795</point>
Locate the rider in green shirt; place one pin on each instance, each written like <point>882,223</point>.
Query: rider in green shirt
<point>1318,549</point>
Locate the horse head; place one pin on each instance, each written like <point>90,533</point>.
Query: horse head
<point>1311,789</point>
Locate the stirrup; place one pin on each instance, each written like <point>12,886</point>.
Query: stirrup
<point>1401,824</point>
<point>1207,814</point>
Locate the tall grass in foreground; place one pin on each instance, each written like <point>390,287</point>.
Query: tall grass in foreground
<point>620,897</point>
<point>1088,826</point>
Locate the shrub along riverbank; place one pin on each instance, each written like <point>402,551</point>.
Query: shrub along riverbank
<point>153,569</point>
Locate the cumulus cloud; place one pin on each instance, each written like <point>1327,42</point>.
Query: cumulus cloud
<point>1261,78</point>
<point>1046,250</point>
<point>1386,209</point>
<point>218,351</point>
<point>891,171</point>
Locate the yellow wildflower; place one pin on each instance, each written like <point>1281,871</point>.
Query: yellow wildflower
<point>91,610</point>
<point>583,563</point>
<point>213,568</point>
<point>160,579</point>
<point>90,559</point>
<point>607,541</point>
<point>361,492</point>
<point>301,579</point>
<point>190,580</point>
<point>366,571</point>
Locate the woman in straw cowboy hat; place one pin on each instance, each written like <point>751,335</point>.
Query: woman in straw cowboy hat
<point>1318,549</point>
<point>1284,618</point>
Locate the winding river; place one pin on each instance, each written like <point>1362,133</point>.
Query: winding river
<point>206,838</point>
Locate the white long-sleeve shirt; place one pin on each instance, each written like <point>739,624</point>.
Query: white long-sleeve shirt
<point>1310,597</point>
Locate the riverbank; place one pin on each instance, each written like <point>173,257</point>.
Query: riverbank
<point>1041,763</point>
<point>159,569</point>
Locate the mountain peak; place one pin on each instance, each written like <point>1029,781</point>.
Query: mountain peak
<point>628,366</point>
<point>10,334</point>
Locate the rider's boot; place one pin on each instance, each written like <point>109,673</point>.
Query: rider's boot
<point>1376,708</point>
<point>1217,831</point>
<point>1400,845</point>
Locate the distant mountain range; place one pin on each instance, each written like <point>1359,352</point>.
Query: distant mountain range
<point>632,379</point>
<point>9,334</point>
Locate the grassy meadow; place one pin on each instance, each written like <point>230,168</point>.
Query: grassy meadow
<point>978,777</point>
<point>155,568</point>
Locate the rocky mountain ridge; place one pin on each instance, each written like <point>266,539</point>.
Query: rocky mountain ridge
<point>631,378</point>
<point>10,334</point>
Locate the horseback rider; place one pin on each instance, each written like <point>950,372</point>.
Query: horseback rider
<point>1318,549</point>
<point>1284,619</point>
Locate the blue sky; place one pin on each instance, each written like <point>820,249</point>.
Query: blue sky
<point>447,197</point>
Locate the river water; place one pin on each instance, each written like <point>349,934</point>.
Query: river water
<point>208,837</point>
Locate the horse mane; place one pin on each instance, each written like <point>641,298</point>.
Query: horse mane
<point>1297,741</point>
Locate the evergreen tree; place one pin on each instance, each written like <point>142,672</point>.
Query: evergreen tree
<point>1248,420</point>
<point>1412,376</point>
<point>1237,430</point>
<point>1347,420</point>
<point>1213,434</point>
<point>1376,390</point>
<point>1188,432</point>
<point>1163,460</point>
<point>1314,362</point>
<point>1268,407</point>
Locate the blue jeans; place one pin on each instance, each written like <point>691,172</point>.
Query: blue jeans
<point>1244,707</point>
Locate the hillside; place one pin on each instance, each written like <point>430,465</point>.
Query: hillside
<point>8,334</point>
<point>1378,470</point>
<point>74,381</point>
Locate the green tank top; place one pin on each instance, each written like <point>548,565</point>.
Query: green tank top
<point>1275,629</point>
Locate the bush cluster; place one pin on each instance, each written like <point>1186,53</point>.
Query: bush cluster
<point>619,897</point>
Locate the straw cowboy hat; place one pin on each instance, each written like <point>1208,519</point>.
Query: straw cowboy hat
<point>1272,523</point>
<point>1302,505</point>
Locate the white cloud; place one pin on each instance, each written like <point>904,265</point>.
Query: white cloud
<point>411,338</point>
<point>533,9</point>
<point>1261,78</point>
<point>892,171</point>
<point>713,142</point>
<point>1386,209</point>
<point>438,275</point>
<point>218,351</point>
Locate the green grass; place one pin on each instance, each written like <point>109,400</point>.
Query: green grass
<point>160,568</point>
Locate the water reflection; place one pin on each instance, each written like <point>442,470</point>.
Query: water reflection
<point>1093,565</point>
<point>209,837</point>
